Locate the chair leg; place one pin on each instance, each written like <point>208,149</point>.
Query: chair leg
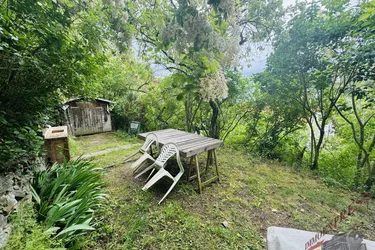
<point>137,168</point>
<point>145,170</point>
<point>169,190</point>
<point>175,180</point>
<point>137,165</point>
<point>130,156</point>
<point>149,176</point>
<point>160,174</point>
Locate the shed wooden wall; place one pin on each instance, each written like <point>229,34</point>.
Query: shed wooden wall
<point>89,117</point>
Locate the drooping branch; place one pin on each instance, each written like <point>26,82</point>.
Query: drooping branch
<point>172,3</point>
<point>234,124</point>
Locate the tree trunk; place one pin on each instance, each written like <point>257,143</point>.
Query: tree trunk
<point>188,108</point>
<point>312,141</point>
<point>214,126</point>
<point>315,163</point>
<point>312,144</point>
<point>371,179</point>
<point>318,146</point>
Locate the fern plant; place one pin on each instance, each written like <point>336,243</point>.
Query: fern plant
<point>66,197</point>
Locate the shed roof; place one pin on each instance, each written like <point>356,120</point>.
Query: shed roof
<point>82,98</point>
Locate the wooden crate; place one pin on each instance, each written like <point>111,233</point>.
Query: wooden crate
<point>57,144</point>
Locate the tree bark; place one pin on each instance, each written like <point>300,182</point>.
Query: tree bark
<point>214,131</point>
<point>188,113</point>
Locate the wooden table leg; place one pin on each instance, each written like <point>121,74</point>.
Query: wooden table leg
<point>208,162</point>
<point>217,168</point>
<point>190,168</point>
<point>211,161</point>
<point>198,174</point>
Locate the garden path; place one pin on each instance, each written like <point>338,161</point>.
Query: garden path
<point>105,151</point>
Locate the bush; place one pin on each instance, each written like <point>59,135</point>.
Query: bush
<point>126,137</point>
<point>66,196</point>
<point>18,144</point>
<point>338,166</point>
<point>27,234</point>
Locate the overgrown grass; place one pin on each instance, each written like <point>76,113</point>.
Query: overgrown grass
<point>27,234</point>
<point>251,196</point>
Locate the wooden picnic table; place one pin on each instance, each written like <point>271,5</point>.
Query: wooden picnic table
<point>190,146</point>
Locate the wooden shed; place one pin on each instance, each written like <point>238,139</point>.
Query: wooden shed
<point>88,116</point>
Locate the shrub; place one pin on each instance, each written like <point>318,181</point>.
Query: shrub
<point>18,144</point>
<point>338,166</point>
<point>66,196</point>
<point>126,137</point>
<point>27,234</point>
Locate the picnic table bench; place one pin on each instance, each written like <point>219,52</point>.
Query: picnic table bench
<point>190,146</point>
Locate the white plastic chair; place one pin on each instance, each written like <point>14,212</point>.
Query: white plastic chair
<point>167,151</point>
<point>144,150</point>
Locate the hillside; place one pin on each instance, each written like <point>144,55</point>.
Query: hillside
<point>251,196</point>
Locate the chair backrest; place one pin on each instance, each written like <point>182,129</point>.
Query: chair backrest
<point>167,151</point>
<point>150,139</point>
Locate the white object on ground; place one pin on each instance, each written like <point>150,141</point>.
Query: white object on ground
<point>279,238</point>
<point>167,151</point>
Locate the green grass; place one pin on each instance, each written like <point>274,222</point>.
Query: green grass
<point>27,234</point>
<point>251,196</point>
<point>97,142</point>
<point>115,158</point>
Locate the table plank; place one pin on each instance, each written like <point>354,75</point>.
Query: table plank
<point>198,142</point>
<point>189,144</point>
<point>182,141</point>
<point>199,150</point>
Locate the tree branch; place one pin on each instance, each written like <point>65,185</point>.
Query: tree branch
<point>235,125</point>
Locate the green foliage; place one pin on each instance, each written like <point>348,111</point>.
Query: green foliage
<point>46,53</point>
<point>66,197</point>
<point>49,50</point>
<point>124,80</point>
<point>27,234</point>
<point>18,145</point>
<point>338,166</point>
<point>162,110</point>
<point>367,19</point>
<point>274,116</point>
<point>126,137</point>
<point>183,108</point>
<point>292,149</point>
<point>321,64</point>
<point>196,41</point>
